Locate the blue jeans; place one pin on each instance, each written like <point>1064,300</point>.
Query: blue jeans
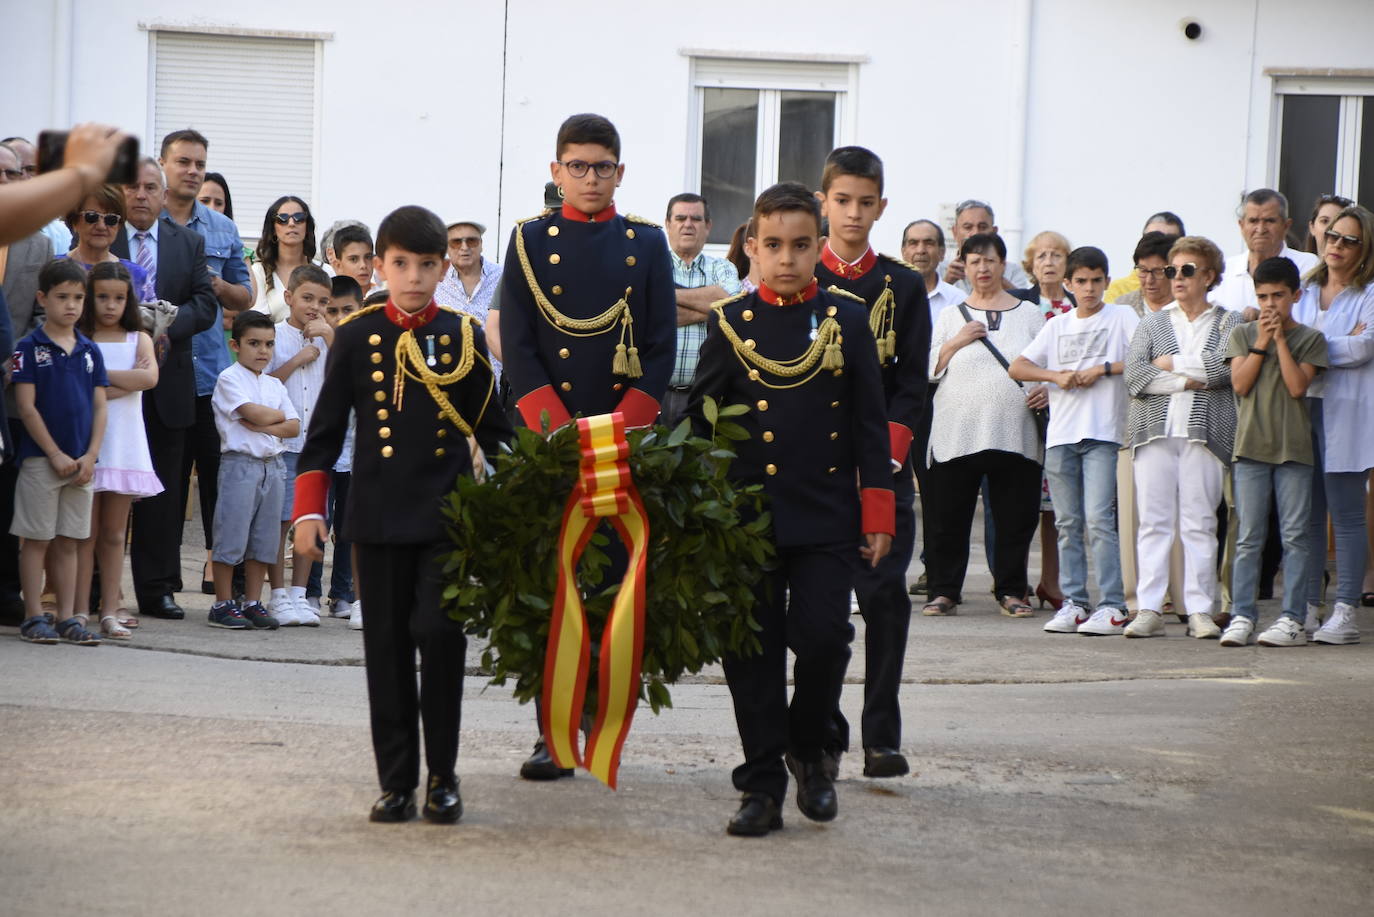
<point>1291,485</point>
<point>1343,494</point>
<point>1083,488</point>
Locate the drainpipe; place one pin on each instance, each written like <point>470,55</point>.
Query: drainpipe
<point>1011,218</point>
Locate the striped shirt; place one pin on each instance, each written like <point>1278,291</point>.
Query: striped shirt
<point>701,271</point>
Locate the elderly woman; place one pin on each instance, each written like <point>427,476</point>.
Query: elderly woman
<point>1338,300</point>
<point>95,225</point>
<point>982,427</point>
<point>1181,430</point>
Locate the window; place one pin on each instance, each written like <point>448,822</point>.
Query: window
<point>1324,143</point>
<point>257,100</point>
<point>763,121</point>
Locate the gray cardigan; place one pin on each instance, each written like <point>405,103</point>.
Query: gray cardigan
<point>1212,420</point>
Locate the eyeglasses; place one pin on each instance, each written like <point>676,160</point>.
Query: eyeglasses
<point>1187,270</point>
<point>1332,237</point>
<point>12,174</point>
<point>1155,272</point>
<point>577,168</point>
<point>466,241</point>
<point>297,217</point>
<point>95,216</point>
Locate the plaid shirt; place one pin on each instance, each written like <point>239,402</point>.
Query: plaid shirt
<point>703,271</point>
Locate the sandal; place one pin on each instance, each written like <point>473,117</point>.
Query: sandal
<point>73,630</point>
<point>1013,607</point>
<point>38,629</point>
<point>940,607</point>
<point>1367,599</point>
<point>126,619</point>
<point>110,627</point>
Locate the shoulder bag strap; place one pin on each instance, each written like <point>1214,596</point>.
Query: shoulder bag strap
<point>992,348</point>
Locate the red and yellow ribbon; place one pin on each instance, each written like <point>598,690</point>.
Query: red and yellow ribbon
<point>604,490</point>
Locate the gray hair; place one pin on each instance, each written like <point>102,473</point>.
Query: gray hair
<point>972,204</point>
<point>152,161</point>
<point>1261,196</point>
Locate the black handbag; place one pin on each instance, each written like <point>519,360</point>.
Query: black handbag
<point>1041,415</point>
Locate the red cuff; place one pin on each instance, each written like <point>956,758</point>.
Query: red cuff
<point>638,409</point>
<point>537,402</point>
<point>312,493</point>
<point>899,436</point>
<point>879,511</point>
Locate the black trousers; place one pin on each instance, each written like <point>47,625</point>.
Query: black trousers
<point>803,605</point>
<point>202,452</point>
<point>886,607</point>
<point>401,589</point>
<point>155,551</point>
<point>11,602</point>
<point>674,406</point>
<point>920,440</point>
<point>1014,500</point>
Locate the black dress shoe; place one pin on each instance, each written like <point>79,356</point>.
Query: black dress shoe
<point>884,762</point>
<point>758,814</point>
<point>815,790</point>
<point>393,807</point>
<point>443,805</point>
<point>162,607</point>
<point>830,763</point>
<point>541,766</point>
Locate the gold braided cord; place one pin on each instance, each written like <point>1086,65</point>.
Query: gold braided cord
<point>410,363</point>
<point>822,354</point>
<point>577,327</point>
<point>880,322</point>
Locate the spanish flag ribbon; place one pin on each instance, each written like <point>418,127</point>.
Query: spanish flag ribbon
<point>604,490</point>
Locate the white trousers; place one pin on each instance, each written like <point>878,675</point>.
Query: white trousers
<point>1178,487</point>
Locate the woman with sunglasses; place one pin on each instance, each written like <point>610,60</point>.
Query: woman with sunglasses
<point>95,225</point>
<point>1181,430</point>
<point>1323,212</point>
<point>1338,300</point>
<point>287,242</point>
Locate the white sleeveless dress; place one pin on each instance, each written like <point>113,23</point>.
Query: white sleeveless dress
<point>125,465</point>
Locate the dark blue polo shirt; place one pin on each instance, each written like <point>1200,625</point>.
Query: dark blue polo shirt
<point>63,390</point>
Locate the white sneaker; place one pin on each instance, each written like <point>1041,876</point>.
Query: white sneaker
<point>281,607</point>
<point>1313,619</point>
<point>356,621</point>
<point>1340,628</point>
<point>341,609</point>
<point>314,602</point>
<point>1240,632</point>
<point>1066,619</point>
<point>1285,631</point>
<point>305,614</point>
<point>1147,623</point>
<point>1203,627</point>
<point>1105,622</point>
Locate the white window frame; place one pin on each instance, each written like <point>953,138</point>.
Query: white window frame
<point>1352,89</point>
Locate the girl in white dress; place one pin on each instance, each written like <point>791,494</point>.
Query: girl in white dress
<point>124,470</point>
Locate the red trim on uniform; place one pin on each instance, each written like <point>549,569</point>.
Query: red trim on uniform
<point>847,269</point>
<point>638,409</point>
<point>879,511</point>
<point>312,494</point>
<point>899,436</point>
<point>777,299</point>
<point>577,216</point>
<point>407,321</point>
<point>541,400</point>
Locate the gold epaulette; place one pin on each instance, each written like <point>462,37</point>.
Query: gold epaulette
<point>722,303</point>
<point>366,310</point>
<point>846,294</point>
<point>906,264</point>
<point>637,219</point>
<point>546,212</point>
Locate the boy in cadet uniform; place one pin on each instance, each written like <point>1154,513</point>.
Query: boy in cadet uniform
<point>852,201</point>
<point>420,382</point>
<point>588,311</point>
<point>805,363</point>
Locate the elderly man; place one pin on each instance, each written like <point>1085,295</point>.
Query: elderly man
<point>471,279</point>
<point>923,247</point>
<point>700,280</point>
<point>175,260</point>
<point>970,218</point>
<point>27,155</point>
<point>1264,224</point>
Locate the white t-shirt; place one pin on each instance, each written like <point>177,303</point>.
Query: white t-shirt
<point>1073,343</point>
<point>303,386</point>
<point>236,387</point>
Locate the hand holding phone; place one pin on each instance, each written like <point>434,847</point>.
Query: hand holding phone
<point>98,151</point>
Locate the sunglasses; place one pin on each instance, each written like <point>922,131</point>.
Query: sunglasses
<point>1187,270</point>
<point>466,241</point>
<point>284,218</point>
<point>1332,237</point>
<point>94,216</point>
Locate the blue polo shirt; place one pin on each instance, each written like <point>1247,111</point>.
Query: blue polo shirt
<point>63,390</point>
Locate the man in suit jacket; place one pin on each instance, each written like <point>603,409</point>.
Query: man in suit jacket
<point>176,257</point>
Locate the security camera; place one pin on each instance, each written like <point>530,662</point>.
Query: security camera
<point>1192,29</point>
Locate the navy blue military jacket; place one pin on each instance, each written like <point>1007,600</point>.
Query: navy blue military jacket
<point>407,453</point>
<point>816,447</point>
<point>582,266</point>
<point>906,369</point>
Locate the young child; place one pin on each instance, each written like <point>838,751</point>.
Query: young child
<point>806,364</point>
<point>254,416</point>
<point>298,360</point>
<point>1273,361</point>
<point>345,300</point>
<point>852,201</point>
<point>1082,353</point>
<point>124,471</point>
<point>413,420</point>
<point>352,256</point>
<point>59,384</point>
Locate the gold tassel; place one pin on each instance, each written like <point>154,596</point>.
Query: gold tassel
<point>834,357</point>
<point>635,369</point>
<point>620,364</point>
<point>891,339</point>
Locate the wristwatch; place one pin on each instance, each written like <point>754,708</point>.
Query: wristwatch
<point>1107,368</point>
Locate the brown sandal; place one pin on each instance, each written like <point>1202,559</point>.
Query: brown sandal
<point>940,607</point>
<point>1013,607</point>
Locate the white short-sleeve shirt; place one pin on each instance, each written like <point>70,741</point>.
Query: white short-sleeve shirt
<point>236,387</point>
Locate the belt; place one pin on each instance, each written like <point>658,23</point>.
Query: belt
<point>679,388</point>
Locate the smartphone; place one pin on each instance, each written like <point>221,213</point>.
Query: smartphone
<point>52,147</point>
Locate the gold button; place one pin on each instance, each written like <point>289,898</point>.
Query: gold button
<point>617,387</point>
<point>439,453</point>
<point>383,413</point>
<point>553,230</point>
<point>749,344</point>
<point>834,434</point>
<point>376,357</point>
<point>554,259</point>
<point>444,339</point>
<point>374,339</point>
<point>378,375</point>
<point>834,404</point>
<point>564,352</point>
<point>831,311</point>
<point>441,433</point>
<point>839,372</point>
<point>379,396</point>
<point>441,415</point>
<point>767,436</point>
<point>747,315</point>
<point>557,289</point>
<point>629,233</point>
<point>630,260</point>
<point>771,468</point>
<point>384,433</point>
<point>832,469</point>
<point>446,358</point>
<point>753,375</point>
<point>566,386</point>
<point>387,451</point>
<point>762,405</point>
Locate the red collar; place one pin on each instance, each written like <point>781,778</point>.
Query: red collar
<point>408,321</point>
<point>773,299</point>
<point>577,216</point>
<point>848,270</point>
